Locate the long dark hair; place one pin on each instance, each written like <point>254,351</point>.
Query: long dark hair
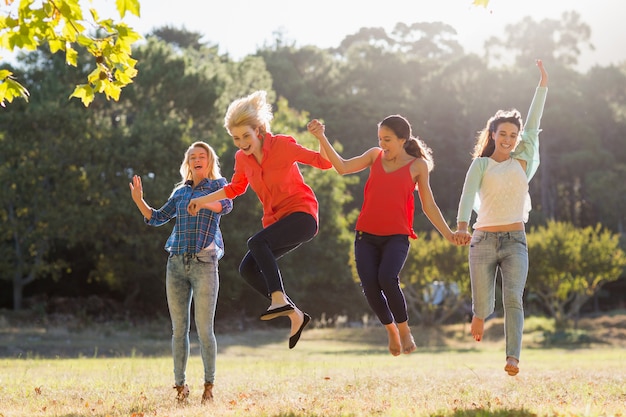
<point>414,146</point>
<point>485,144</point>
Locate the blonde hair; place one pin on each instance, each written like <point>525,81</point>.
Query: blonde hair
<point>214,165</point>
<point>252,110</point>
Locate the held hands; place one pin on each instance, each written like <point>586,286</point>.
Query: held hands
<point>316,128</point>
<point>462,237</point>
<point>193,208</point>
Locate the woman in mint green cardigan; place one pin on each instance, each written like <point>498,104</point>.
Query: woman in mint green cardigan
<point>506,157</point>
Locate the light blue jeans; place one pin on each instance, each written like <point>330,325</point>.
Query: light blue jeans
<point>192,276</point>
<point>508,252</point>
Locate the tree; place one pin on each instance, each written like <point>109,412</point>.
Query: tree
<point>170,105</point>
<point>554,40</point>
<point>568,265</point>
<point>47,149</point>
<point>60,26</point>
<point>436,280</point>
<point>65,170</point>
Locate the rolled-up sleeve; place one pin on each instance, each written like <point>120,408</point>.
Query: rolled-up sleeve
<point>239,181</point>
<point>164,214</point>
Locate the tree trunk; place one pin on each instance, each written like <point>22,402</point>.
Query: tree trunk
<point>18,291</point>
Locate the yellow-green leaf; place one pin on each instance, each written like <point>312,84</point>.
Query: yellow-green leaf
<point>56,45</point>
<point>131,6</point>
<point>112,91</point>
<point>71,56</point>
<point>85,93</point>
<point>483,3</point>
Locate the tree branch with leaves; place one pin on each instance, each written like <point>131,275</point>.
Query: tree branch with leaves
<point>61,26</point>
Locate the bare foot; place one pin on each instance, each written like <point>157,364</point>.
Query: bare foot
<point>408,344</point>
<point>477,328</point>
<point>406,338</point>
<point>511,366</point>
<point>395,346</point>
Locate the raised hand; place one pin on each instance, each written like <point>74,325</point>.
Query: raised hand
<point>316,128</point>
<point>136,188</point>
<point>544,74</point>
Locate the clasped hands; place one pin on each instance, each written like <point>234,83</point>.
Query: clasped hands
<point>193,208</point>
<point>461,237</point>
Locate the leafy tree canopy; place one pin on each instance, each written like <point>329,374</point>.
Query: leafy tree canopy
<point>61,26</point>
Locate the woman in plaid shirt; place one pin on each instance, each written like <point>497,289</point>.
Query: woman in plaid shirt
<point>194,248</point>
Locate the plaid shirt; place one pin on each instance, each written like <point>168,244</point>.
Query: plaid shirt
<point>191,234</point>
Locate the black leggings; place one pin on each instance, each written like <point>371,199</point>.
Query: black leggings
<point>259,267</point>
<point>379,260</point>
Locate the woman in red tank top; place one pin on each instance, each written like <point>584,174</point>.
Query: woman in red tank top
<point>400,164</point>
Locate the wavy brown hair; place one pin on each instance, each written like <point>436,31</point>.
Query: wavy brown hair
<point>485,144</point>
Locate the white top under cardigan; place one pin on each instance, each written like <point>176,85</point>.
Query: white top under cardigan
<point>491,197</point>
<point>503,194</point>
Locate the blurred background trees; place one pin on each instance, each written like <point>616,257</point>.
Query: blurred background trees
<point>69,227</point>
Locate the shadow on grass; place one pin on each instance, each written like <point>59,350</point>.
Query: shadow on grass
<point>27,340</point>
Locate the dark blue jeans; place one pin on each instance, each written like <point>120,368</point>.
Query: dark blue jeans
<point>259,267</point>
<point>379,260</point>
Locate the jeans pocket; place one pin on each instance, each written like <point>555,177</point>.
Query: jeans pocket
<point>477,237</point>
<point>206,257</point>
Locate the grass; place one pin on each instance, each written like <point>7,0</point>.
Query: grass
<point>331,373</point>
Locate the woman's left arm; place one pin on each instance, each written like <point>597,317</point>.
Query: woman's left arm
<point>528,148</point>
<point>535,112</point>
<point>429,206</point>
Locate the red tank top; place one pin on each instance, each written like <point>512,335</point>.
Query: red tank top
<point>388,202</point>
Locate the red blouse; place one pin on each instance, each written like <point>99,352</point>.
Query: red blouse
<point>388,201</point>
<point>277,180</point>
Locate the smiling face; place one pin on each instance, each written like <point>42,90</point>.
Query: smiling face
<point>391,144</point>
<point>505,138</point>
<point>247,139</point>
<point>199,163</point>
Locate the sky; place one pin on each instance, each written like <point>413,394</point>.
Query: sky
<point>239,27</point>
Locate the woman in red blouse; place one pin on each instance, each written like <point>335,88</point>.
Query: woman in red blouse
<point>269,164</point>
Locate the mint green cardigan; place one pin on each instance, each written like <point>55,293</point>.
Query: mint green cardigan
<point>527,150</point>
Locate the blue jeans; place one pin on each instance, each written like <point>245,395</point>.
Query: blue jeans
<point>508,252</point>
<point>192,276</point>
<point>259,267</point>
<point>379,260</point>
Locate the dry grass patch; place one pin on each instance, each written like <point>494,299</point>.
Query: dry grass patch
<point>342,372</point>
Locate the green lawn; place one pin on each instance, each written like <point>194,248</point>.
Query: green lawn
<point>332,372</point>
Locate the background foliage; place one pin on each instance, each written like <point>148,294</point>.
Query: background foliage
<point>70,229</point>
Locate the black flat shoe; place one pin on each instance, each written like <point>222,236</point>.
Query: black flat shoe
<point>272,313</point>
<point>294,339</point>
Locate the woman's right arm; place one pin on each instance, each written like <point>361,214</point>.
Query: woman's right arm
<point>136,192</point>
<point>473,179</point>
<point>341,165</point>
